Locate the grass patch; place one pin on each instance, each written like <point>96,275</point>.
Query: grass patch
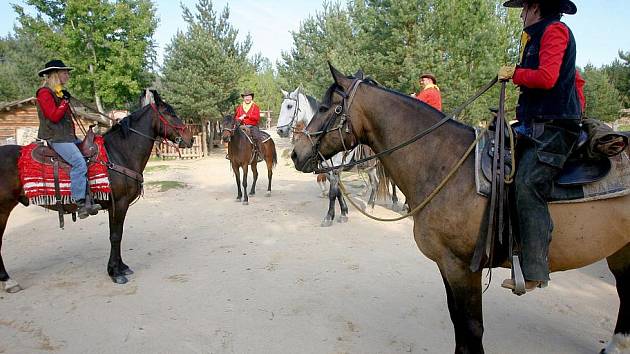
<point>166,185</point>
<point>156,168</point>
<point>624,128</point>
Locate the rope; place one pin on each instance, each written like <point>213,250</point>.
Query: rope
<point>428,198</point>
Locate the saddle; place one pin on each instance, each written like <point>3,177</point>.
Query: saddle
<point>44,154</point>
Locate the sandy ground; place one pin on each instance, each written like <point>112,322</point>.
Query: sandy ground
<point>214,276</point>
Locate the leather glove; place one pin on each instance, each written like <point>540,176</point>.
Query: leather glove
<point>506,72</point>
<point>66,95</point>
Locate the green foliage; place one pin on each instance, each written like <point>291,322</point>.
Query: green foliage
<point>619,73</point>
<point>109,43</point>
<point>21,57</point>
<point>394,42</point>
<point>204,68</point>
<point>602,98</point>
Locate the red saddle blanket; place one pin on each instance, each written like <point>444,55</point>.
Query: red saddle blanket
<point>38,179</point>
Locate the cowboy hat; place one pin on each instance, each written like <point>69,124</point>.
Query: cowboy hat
<point>566,6</point>
<point>247,93</point>
<point>430,76</point>
<point>52,66</point>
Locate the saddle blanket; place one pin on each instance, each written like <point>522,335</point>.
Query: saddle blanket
<point>615,184</point>
<point>39,183</point>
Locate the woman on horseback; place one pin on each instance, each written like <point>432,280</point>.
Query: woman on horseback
<point>549,113</point>
<point>57,129</point>
<point>248,114</point>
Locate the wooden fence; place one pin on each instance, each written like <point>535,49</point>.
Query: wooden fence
<point>168,151</point>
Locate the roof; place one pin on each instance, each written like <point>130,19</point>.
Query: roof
<point>81,111</point>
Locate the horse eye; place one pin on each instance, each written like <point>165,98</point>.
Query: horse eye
<point>289,106</point>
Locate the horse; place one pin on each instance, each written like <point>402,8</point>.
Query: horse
<point>296,107</point>
<point>128,144</point>
<point>241,155</point>
<point>447,229</point>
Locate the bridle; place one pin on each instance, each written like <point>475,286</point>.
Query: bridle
<point>295,112</point>
<point>340,114</point>
<point>178,129</point>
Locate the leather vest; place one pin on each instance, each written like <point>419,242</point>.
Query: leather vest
<point>60,132</point>
<point>561,101</point>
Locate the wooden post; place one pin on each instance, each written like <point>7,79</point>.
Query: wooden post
<point>204,138</point>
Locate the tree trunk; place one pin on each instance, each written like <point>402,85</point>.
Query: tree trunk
<point>211,138</point>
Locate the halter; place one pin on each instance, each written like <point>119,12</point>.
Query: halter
<point>295,112</point>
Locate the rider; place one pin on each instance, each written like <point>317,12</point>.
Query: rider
<point>549,112</point>
<point>248,114</point>
<point>57,129</point>
<point>430,93</point>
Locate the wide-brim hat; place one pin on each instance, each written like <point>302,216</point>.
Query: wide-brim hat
<point>430,76</point>
<point>247,93</point>
<point>566,6</point>
<point>52,66</point>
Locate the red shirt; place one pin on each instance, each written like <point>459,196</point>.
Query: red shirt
<point>48,106</point>
<point>252,117</point>
<point>432,97</point>
<point>552,47</point>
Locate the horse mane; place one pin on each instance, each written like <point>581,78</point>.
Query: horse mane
<point>124,124</point>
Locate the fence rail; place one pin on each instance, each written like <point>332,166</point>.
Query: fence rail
<point>164,151</point>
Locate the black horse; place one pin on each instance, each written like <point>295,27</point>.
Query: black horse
<point>128,144</point>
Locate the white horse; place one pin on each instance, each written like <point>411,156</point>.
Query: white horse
<point>296,107</point>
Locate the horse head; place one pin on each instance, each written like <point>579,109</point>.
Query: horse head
<point>229,127</point>
<point>330,131</point>
<point>166,122</point>
<point>289,111</point>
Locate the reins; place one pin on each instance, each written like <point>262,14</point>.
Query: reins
<point>418,136</point>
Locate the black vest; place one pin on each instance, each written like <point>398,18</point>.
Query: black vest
<point>60,132</point>
<point>561,101</point>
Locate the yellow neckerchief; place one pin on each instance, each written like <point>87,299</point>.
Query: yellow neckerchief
<point>430,86</point>
<point>246,106</point>
<point>57,89</point>
<point>524,40</point>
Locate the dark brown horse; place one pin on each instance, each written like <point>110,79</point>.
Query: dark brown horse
<point>128,144</point>
<point>241,155</point>
<point>447,229</point>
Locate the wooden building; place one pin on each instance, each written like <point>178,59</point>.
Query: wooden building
<point>19,122</point>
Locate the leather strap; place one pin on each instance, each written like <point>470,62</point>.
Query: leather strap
<point>58,203</point>
<point>126,171</point>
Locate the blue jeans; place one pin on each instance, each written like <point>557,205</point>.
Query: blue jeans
<point>78,174</point>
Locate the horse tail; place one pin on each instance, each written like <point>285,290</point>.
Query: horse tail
<point>382,189</point>
<point>274,156</point>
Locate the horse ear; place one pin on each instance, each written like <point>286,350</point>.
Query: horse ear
<point>284,93</point>
<point>359,74</point>
<point>295,92</point>
<point>340,79</point>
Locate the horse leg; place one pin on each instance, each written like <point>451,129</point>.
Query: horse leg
<point>395,206</point>
<point>463,293</point>
<point>237,175</point>
<point>9,285</point>
<point>244,183</point>
<point>373,178</point>
<point>343,206</point>
<point>116,268</point>
<point>269,176</point>
<point>332,195</point>
<point>619,264</point>
<point>255,172</point>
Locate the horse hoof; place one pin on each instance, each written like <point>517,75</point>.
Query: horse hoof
<point>127,271</point>
<point>268,194</point>
<point>121,279</point>
<point>245,203</point>
<point>326,223</point>
<point>238,200</point>
<point>342,219</point>
<point>11,286</point>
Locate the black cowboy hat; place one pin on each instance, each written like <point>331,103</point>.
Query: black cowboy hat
<point>430,76</point>
<point>247,93</point>
<point>566,6</point>
<point>52,66</point>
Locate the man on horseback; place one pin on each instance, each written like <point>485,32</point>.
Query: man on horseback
<point>57,129</point>
<point>549,113</point>
<point>248,114</point>
<point>430,93</point>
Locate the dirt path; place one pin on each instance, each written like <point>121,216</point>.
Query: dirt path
<point>214,276</point>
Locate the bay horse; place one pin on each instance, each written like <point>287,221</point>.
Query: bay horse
<point>241,155</point>
<point>447,229</point>
<point>129,144</point>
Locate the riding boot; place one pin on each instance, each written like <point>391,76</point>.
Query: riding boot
<point>85,208</point>
<point>259,150</point>
<point>92,207</point>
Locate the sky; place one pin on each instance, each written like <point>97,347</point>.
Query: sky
<point>601,27</point>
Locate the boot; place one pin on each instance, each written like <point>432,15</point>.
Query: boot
<point>85,208</point>
<point>259,152</point>
<point>529,284</point>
